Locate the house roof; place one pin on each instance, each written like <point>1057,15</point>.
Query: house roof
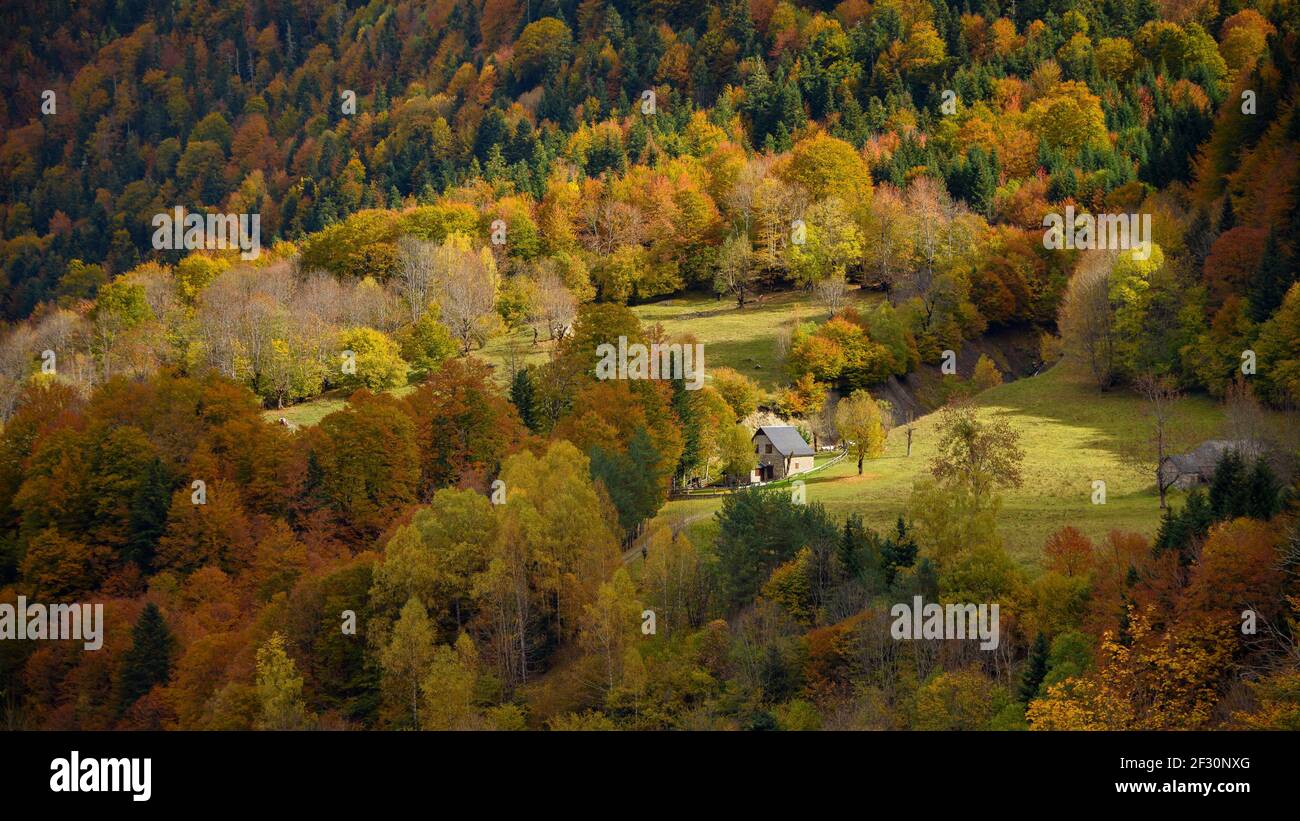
<point>1205,457</point>
<point>786,440</point>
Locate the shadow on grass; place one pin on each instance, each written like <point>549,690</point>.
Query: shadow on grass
<point>1113,421</point>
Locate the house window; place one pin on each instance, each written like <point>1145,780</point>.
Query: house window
<point>769,448</point>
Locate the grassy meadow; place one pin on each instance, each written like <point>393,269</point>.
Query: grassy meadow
<point>1071,432</point>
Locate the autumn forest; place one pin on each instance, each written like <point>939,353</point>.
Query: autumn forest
<point>319,324</point>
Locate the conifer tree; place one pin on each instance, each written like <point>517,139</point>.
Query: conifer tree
<point>148,517</point>
<point>1035,669</point>
<point>148,661</point>
<point>1271,281</point>
<point>1262,498</point>
<point>521,396</point>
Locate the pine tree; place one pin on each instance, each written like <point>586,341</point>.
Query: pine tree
<point>1263,492</point>
<point>1228,487</point>
<point>521,395</point>
<point>1271,281</point>
<point>1035,669</point>
<point>148,661</point>
<point>898,551</point>
<point>850,544</point>
<point>687,414</point>
<point>148,516</point>
<point>1170,533</point>
<point>1199,238</point>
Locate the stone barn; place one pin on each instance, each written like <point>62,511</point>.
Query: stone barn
<point>1196,467</point>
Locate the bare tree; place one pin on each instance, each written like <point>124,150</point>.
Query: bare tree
<point>322,296</point>
<point>822,422</point>
<point>468,295</point>
<point>831,292</point>
<point>611,224</point>
<point>555,306</point>
<point>67,334</point>
<point>741,199</point>
<point>18,351</point>
<point>927,202</point>
<point>375,305</point>
<point>1161,396</point>
<point>776,206</point>
<point>240,314</point>
<point>735,274</point>
<point>782,343</point>
<point>1243,418</point>
<point>418,273</point>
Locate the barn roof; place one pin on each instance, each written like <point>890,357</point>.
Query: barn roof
<point>786,440</point>
<point>1205,456</point>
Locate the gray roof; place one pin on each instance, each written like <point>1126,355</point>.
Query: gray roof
<point>786,440</point>
<point>1205,457</point>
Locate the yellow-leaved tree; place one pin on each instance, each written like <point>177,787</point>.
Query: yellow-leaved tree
<point>1156,681</point>
<point>857,420</point>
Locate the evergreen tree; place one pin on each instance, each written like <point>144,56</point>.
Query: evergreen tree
<point>630,479</point>
<point>148,515</point>
<point>898,551</point>
<point>684,408</point>
<point>850,545</point>
<point>1263,492</point>
<point>1228,487</point>
<point>521,396</point>
<point>1181,531</point>
<point>148,661</point>
<point>1271,281</point>
<point>1035,669</point>
<point>1125,625</point>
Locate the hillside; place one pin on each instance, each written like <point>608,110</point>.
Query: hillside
<point>1073,435</point>
<point>1057,239</point>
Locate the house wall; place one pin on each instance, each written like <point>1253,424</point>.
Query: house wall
<point>801,464</point>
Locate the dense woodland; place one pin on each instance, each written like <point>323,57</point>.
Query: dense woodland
<point>504,169</point>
